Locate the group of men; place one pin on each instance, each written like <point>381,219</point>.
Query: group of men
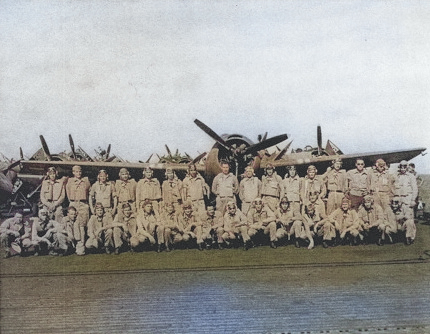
<point>360,205</point>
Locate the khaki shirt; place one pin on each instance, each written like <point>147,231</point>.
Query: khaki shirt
<point>172,191</point>
<point>103,193</point>
<point>170,220</point>
<point>128,224</point>
<point>126,190</point>
<point>95,224</point>
<point>148,189</point>
<point>188,222</point>
<point>233,221</point>
<point>336,180</point>
<point>146,221</point>
<point>249,189</point>
<point>307,185</point>
<point>78,189</point>
<point>68,226</point>
<point>358,183</point>
<point>263,217</point>
<point>344,220</point>
<point>319,206</point>
<point>290,187</point>
<point>194,188</point>
<point>212,222</point>
<point>406,185</point>
<point>316,217</point>
<point>53,191</point>
<point>288,216</point>
<point>271,185</point>
<point>12,224</point>
<point>398,217</point>
<point>372,217</point>
<point>382,182</point>
<point>225,185</point>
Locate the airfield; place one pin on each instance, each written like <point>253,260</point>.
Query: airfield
<point>344,289</point>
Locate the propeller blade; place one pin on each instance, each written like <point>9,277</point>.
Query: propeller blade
<point>168,150</point>
<point>72,146</point>
<point>21,154</point>
<point>284,150</point>
<point>198,158</point>
<point>319,139</point>
<point>147,161</point>
<point>265,144</point>
<point>112,158</point>
<point>108,152</point>
<point>85,154</point>
<point>212,134</point>
<point>11,166</point>
<point>45,148</point>
<point>264,137</point>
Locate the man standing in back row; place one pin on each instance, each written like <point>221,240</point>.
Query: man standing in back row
<point>225,186</point>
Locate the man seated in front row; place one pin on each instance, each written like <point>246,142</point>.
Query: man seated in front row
<point>15,235</point>
<point>371,218</point>
<point>212,228</point>
<point>96,235</point>
<point>402,217</point>
<point>262,219</point>
<point>235,226</point>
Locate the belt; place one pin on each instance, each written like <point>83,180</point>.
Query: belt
<point>129,201</point>
<point>80,201</point>
<point>336,191</point>
<point>270,196</point>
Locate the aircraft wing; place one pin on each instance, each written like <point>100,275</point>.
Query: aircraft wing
<point>304,158</point>
<point>92,167</point>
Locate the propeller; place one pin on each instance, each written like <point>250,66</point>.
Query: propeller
<point>283,151</point>
<point>147,161</point>
<point>212,134</point>
<point>198,158</point>
<point>21,154</point>
<point>319,139</point>
<point>241,150</point>
<point>264,137</point>
<point>168,150</point>
<point>265,144</point>
<point>72,146</point>
<point>45,148</point>
<point>108,152</point>
<point>11,166</point>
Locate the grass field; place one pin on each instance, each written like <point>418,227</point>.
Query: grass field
<point>192,259</point>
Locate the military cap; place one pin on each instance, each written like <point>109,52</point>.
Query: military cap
<point>257,200</point>
<point>380,162</point>
<point>312,167</point>
<point>368,198</point>
<point>187,204</point>
<point>231,204</point>
<point>126,205</point>
<point>346,200</point>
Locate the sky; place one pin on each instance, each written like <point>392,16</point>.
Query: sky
<point>135,74</point>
